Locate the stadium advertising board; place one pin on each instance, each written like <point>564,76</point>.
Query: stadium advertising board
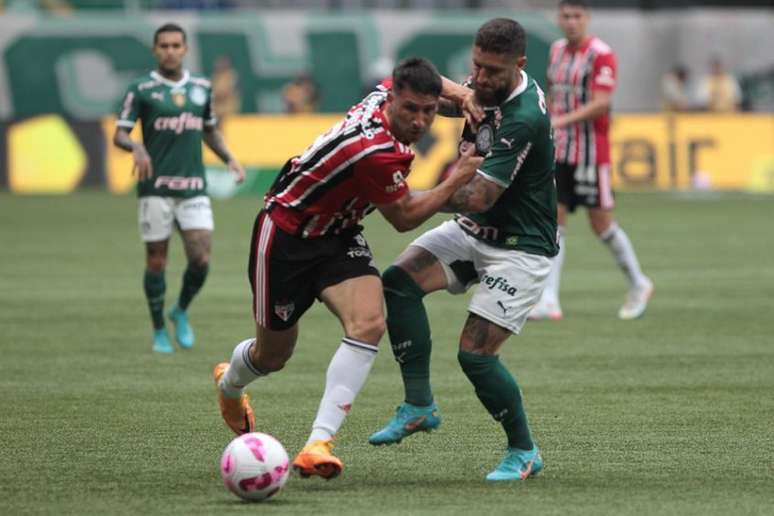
<point>650,152</point>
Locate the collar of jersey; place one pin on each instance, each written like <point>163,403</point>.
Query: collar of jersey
<point>521,88</point>
<point>157,76</point>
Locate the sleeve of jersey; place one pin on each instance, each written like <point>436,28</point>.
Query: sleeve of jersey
<point>382,179</point>
<point>507,155</point>
<point>130,109</point>
<point>210,120</point>
<point>604,73</point>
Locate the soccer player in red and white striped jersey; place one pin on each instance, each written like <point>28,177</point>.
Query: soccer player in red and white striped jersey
<point>307,245</point>
<point>581,79</point>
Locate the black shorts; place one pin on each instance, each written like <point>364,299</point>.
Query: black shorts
<point>577,185</point>
<point>288,273</point>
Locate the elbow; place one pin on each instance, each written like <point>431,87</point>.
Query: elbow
<point>477,204</point>
<point>404,226</point>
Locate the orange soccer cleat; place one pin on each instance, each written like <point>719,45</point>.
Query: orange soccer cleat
<point>236,412</point>
<point>317,459</point>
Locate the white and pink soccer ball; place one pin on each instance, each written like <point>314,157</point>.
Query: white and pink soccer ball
<point>254,466</point>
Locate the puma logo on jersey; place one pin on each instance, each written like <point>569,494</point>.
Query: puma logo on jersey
<point>158,95</point>
<point>508,142</point>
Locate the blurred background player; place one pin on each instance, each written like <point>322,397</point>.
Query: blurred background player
<point>174,109</point>
<point>503,238</point>
<point>307,244</point>
<point>581,79</point>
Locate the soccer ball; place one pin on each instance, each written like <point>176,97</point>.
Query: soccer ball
<point>254,466</point>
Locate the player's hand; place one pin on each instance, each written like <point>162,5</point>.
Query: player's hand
<point>466,166</point>
<point>142,163</point>
<point>236,168</point>
<point>472,110</point>
<point>559,122</point>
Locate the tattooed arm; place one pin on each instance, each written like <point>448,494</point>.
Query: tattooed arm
<point>213,137</point>
<point>476,196</point>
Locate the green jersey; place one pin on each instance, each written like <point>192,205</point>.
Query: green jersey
<point>517,142</point>
<point>173,116</point>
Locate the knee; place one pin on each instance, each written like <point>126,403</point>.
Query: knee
<point>200,262</point>
<point>397,280</point>
<point>368,329</point>
<point>156,263</point>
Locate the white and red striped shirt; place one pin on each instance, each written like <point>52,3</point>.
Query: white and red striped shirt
<point>339,178</point>
<point>573,74</point>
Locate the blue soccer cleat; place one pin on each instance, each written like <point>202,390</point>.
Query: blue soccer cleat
<point>518,465</point>
<point>161,343</point>
<point>408,419</point>
<point>183,332</point>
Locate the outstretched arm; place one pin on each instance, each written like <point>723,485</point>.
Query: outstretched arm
<point>213,137</point>
<point>458,100</point>
<point>414,208</point>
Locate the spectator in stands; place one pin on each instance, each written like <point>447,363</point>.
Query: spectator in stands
<point>226,99</point>
<point>719,91</point>
<point>675,94</point>
<point>301,95</point>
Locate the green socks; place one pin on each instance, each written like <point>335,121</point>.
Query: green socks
<point>409,332</point>
<point>155,286</point>
<point>193,279</point>
<point>497,390</point>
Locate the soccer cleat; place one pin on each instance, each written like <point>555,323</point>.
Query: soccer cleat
<point>546,310</point>
<point>317,459</point>
<point>408,419</point>
<point>636,301</point>
<point>183,332</point>
<point>161,343</point>
<point>518,465</point>
<point>236,412</point>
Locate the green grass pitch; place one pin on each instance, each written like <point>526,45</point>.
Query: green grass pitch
<point>670,414</point>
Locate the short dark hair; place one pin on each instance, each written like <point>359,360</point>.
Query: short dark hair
<point>417,74</point>
<point>168,27</point>
<point>502,36</point>
<point>583,4</point>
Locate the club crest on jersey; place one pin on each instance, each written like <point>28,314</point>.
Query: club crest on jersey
<point>178,99</point>
<point>484,139</point>
<point>198,96</point>
<point>284,311</point>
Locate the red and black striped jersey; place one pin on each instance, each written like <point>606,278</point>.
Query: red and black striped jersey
<point>573,74</point>
<point>340,177</point>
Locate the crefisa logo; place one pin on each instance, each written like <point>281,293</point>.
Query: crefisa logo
<point>499,283</point>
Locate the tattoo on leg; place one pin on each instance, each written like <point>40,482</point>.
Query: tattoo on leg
<point>482,336</point>
<point>476,331</point>
<point>420,262</point>
<point>197,246</point>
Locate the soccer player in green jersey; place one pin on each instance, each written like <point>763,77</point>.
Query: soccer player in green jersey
<point>174,109</point>
<point>503,238</point>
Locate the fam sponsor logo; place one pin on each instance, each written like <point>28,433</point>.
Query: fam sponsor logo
<point>185,121</point>
<point>499,283</point>
<point>179,183</point>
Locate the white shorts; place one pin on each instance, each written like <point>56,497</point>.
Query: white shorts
<point>157,215</point>
<point>509,282</point>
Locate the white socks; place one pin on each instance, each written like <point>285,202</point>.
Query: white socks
<point>551,291</point>
<point>347,373</point>
<point>240,372</point>
<point>619,244</point>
